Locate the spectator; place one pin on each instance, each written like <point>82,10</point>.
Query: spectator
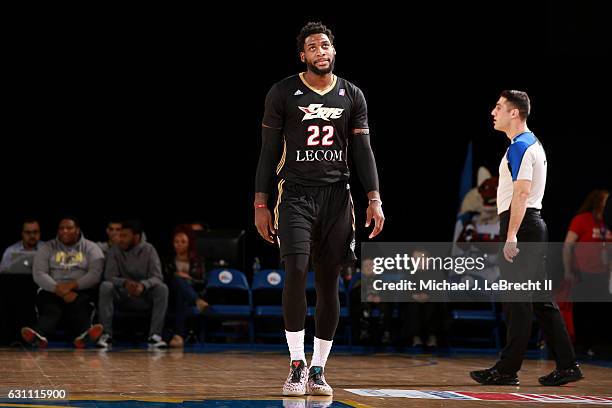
<point>374,316</point>
<point>113,229</point>
<point>133,280</point>
<point>30,242</point>
<point>421,318</point>
<point>585,264</point>
<point>67,269</point>
<point>185,273</point>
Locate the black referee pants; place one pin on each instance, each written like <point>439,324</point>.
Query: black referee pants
<point>519,315</point>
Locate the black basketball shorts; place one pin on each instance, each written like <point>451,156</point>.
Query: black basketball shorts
<point>316,221</point>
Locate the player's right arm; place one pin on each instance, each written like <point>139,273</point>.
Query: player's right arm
<point>269,156</point>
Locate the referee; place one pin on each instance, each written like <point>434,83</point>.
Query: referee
<point>522,178</point>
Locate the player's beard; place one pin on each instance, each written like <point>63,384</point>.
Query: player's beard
<point>313,68</point>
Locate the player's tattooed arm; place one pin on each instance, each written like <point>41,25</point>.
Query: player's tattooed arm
<point>364,159</point>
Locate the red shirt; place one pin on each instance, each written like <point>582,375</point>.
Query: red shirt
<point>588,258</point>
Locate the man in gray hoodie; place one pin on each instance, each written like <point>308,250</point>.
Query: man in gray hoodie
<point>133,280</point>
<point>67,269</point>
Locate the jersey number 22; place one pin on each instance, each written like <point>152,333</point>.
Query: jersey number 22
<point>315,133</point>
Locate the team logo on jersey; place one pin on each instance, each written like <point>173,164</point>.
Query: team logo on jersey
<point>318,111</point>
<point>298,92</point>
<point>341,92</point>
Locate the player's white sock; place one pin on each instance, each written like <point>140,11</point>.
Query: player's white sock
<point>320,352</point>
<point>295,341</point>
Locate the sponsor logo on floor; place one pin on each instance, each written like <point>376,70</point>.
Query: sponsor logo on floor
<point>483,396</point>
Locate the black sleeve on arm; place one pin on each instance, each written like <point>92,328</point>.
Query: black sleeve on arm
<point>268,159</point>
<point>271,141</point>
<point>365,163</point>
<point>362,151</point>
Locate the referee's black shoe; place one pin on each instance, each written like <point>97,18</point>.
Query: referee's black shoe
<point>491,376</point>
<point>560,377</point>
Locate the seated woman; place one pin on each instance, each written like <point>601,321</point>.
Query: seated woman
<point>187,278</point>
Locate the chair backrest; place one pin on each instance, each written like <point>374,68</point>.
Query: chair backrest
<point>269,279</point>
<point>227,278</point>
<point>311,296</point>
<point>267,288</point>
<point>227,286</point>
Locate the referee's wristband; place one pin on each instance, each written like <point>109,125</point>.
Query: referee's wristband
<point>375,199</point>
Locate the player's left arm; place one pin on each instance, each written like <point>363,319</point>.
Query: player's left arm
<point>366,169</point>
<point>364,160</point>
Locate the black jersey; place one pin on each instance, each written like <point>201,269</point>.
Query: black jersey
<point>316,127</point>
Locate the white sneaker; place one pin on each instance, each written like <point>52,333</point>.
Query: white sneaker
<point>156,342</point>
<point>295,385</point>
<point>105,341</point>
<point>316,382</point>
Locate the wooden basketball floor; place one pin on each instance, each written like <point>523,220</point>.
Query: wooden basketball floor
<point>135,378</point>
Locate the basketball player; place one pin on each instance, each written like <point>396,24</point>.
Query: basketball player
<point>309,121</point>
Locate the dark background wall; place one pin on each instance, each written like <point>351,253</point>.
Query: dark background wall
<point>157,114</point>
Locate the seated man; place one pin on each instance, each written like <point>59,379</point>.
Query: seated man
<point>67,269</point>
<point>375,317</point>
<point>133,280</point>
<point>30,242</point>
<point>112,232</point>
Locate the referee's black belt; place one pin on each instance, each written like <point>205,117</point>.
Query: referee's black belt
<point>530,210</point>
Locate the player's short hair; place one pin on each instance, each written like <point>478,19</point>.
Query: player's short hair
<point>312,28</point>
<point>520,101</point>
